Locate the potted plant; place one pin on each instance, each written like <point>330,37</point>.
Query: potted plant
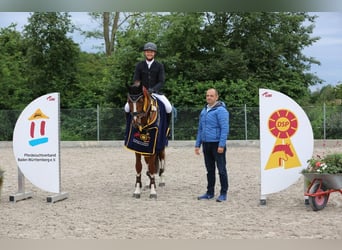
<point>323,176</point>
<point>329,164</point>
<point>328,168</point>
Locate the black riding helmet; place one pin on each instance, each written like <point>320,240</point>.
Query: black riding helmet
<point>150,46</point>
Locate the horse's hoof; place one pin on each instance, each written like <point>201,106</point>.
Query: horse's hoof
<point>136,196</point>
<point>162,184</point>
<point>153,196</point>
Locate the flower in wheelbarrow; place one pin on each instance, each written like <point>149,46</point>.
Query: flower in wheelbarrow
<point>329,164</point>
<point>322,167</point>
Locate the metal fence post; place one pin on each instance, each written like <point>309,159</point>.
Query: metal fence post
<point>324,122</point>
<point>98,121</point>
<point>173,123</point>
<point>246,129</point>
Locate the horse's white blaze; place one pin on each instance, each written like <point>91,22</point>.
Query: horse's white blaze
<point>134,109</point>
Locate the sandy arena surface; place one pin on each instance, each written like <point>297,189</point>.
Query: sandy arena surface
<point>100,182</point>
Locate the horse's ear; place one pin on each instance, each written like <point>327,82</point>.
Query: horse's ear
<point>135,89</point>
<point>137,84</point>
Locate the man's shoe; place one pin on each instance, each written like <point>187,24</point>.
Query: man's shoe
<point>205,197</point>
<point>221,198</point>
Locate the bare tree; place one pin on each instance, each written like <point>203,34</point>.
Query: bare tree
<point>111,25</point>
<point>110,34</point>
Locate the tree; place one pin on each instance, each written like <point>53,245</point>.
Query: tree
<point>111,22</point>
<point>52,55</point>
<point>261,49</point>
<point>109,37</point>
<point>270,45</point>
<point>12,69</point>
<point>92,81</point>
<point>254,49</point>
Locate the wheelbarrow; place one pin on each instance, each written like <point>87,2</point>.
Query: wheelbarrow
<point>320,188</point>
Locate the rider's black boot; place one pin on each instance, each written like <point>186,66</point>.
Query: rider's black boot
<point>168,120</point>
<point>127,115</point>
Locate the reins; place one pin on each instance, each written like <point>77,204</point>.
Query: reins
<point>150,105</point>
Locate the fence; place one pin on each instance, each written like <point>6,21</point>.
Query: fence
<point>109,123</point>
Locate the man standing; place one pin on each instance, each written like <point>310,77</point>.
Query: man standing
<point>213,130</point>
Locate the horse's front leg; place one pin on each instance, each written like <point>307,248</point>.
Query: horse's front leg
<point>151,175</point>
<point>138,168</point>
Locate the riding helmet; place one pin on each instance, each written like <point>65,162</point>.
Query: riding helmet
<point>150,46</point>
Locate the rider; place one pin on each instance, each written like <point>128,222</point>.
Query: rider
<point>152,76</point>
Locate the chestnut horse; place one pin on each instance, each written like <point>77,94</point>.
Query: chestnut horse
<point>145,128</point>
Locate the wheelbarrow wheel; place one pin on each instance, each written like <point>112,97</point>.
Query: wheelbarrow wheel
<point>318,202</point>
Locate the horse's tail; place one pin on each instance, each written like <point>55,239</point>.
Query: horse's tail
<point>157,164</point>
<point>160,162</point>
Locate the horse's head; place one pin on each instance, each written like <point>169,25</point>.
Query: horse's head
<point>139,100</point>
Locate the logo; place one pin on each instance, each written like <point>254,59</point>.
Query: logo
<point>267,94</point>
<point>283,124</point>
<point>50,98</point>
<point>142,137</point>
<point>38,128</point>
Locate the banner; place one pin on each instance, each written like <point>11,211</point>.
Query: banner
<point>286,141</point>
<point>36,142</point>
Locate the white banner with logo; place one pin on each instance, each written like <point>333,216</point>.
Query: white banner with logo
<point>286,141</point>
<point>36,142</point>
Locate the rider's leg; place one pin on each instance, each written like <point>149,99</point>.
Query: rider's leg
<point>168,107</point>
<point>126,110</point>
<point>126,107</point>
<point>165,101</point>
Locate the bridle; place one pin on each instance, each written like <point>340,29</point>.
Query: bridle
<point>139,116</point>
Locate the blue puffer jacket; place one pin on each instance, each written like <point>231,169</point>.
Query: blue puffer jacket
<point>213,125</point>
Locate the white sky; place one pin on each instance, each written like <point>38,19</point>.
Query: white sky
<point>327,50</point>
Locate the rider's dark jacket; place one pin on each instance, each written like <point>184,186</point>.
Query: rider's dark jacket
<point>152,78</point>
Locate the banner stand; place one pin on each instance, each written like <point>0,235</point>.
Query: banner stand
<point>263,200</point>
<point>36,147</point>
<point>306,199</point>
<point>21,194</point>
<point>286,142</point>
<point>57,197</point>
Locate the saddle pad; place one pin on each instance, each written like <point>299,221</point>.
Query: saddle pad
<point>152,139</point>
